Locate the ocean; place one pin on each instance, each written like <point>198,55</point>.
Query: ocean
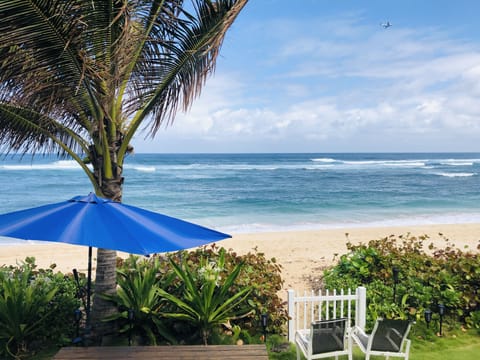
<point>238,193</point>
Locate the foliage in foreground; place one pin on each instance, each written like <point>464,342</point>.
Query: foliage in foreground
<point>209,294</point>
<point>206,300</point>
<point>37,306</point>
<point>263,275</point>
<point>426,278</point>
<point>36,309</point>
<point>440,276</point>
<point>138,301</point>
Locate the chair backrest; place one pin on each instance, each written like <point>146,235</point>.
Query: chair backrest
<point>328,335</point>
<point>389,335</point>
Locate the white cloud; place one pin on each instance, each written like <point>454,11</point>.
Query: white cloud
<point>341,88</point>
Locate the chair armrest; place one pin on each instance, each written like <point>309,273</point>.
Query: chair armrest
<point>359,336</point>
<point>302,333</point>
<point>302,341</point>
<point>357,330</point>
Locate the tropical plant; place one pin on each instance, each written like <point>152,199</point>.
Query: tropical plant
<point>138,301</point>
<point>36,308</point>
<point>80,77</point>
<point>206,301</point>
<point>259,272</point>
<point>23,309</point>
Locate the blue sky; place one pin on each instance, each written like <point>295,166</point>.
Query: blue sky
<point>325,76</point>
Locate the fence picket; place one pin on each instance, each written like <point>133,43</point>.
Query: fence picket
<point>324,307</point>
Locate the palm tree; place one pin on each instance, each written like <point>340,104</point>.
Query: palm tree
<point>78,78</point>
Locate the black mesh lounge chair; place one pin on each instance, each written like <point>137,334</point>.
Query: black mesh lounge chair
<point>325,338</point>
<point>388,338</point>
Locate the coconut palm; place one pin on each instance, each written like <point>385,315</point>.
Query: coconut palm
<point>79,78</point>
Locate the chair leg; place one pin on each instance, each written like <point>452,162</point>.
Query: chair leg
<point>407,349</point>
<point>350,347</point>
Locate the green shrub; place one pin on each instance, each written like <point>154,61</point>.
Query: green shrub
<point>427,278</point>
<point>36,308</point>
<point>60,322</point>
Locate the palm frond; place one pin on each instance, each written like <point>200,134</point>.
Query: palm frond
<point>40,58</point>
<point>104,67</point>
<point>24,129</point>
<point>177,59</point>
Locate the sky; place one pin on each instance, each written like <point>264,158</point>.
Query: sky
<point>325,76</point>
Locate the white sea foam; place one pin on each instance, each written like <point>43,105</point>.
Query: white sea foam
<point>195,177</point>
<point>326,160</point>
<point>318,167</point>
<point>315,164</point>
<point>425,163</point>
<point>405,163</point>
<point>386,163</point>
<point>454,174</point>
<point>300,166</point>
<point>55,165</point>
<point>399,220</point>
<point>458,163</point>
<point>148,169</point>
<point>226,167</point>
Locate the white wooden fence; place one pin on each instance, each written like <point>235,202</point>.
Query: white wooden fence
<point>302,310</point>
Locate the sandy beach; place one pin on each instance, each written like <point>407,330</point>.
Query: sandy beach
<point>301,253</point>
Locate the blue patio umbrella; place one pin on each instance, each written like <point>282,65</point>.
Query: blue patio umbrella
<point>97,222</point>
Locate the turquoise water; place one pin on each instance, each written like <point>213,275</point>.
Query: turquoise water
<point>268,192</point>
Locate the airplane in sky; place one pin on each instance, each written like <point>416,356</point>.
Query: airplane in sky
<point>386,24</point>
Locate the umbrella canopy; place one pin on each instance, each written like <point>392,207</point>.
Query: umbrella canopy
<point>103,223</point>
<point>97,222</point>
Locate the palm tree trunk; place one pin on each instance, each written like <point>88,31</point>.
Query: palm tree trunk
<point>106,276</point>
<point>105,283</point>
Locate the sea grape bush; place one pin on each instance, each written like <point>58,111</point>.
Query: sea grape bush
<point>427,277</point>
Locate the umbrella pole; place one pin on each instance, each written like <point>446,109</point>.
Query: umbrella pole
<point>89,286</point>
